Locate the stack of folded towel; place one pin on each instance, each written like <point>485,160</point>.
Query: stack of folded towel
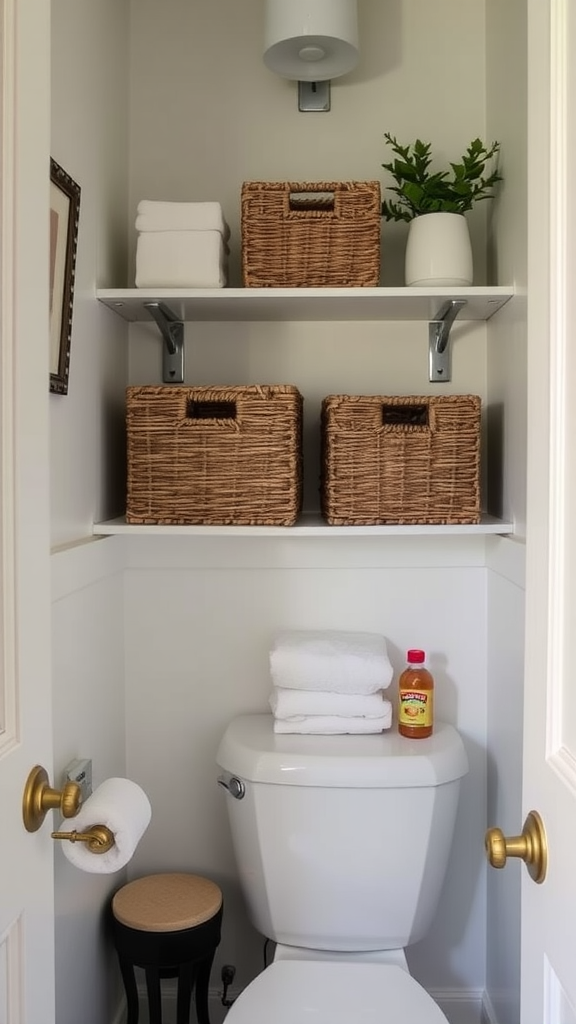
<point>329,681</point>
<point>181,245</point>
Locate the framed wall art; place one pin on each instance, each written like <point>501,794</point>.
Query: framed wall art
<point>64,218</point>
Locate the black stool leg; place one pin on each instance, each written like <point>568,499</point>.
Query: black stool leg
<point>154,995</point>
<point>127,972</point>
<point>202,985</point>
<point>186,979</point>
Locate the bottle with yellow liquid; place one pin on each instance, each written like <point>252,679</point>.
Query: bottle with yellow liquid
<point>416,698</point>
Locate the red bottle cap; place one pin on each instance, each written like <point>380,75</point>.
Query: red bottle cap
<point>416,657</point>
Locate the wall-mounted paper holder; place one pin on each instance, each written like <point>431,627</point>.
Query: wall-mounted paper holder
<point>439,348</point>
<point>98,838</point>
<point>171,328</point>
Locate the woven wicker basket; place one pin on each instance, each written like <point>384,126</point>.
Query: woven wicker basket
<point>311,234</point>
<point>400,460</point>
<point>214,455</point>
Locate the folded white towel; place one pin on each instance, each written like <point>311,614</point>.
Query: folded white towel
<point>181,259</point>
<point>338,661</point>
<point>335,724</point>
<point>165,216</point>
<point>293,704</point>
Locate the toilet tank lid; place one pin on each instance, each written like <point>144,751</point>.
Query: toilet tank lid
<point>252,750</point>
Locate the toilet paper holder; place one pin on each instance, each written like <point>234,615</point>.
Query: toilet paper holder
<point>39,798</point>
<point>98,838</point>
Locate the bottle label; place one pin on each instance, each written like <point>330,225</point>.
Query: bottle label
<point>415,708</point>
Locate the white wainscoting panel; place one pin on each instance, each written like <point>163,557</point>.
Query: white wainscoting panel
<point>12,975</point>
<point>197,640</point>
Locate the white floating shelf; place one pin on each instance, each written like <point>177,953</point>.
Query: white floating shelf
<point>309,525</point>
<point>305,304</point>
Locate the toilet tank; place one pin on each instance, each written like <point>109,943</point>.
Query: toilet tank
<point>341,842</point>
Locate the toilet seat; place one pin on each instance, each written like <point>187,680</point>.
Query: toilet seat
<point>325,992</point>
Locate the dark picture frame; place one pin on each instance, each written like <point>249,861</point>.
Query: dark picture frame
<point>64,219</point>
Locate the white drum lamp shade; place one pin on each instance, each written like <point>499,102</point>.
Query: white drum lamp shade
<point>311,40</point>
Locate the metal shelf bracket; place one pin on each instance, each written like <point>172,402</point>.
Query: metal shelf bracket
<point>439,348</point>
<point>172,330</point>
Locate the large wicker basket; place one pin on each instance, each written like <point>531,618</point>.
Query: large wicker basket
<point>311,234</point>
<point>400,459</point>
<point>214,455</point>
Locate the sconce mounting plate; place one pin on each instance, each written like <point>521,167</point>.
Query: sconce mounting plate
<point>314,96</point>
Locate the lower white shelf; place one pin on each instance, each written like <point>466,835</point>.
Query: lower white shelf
<point>309,525</point>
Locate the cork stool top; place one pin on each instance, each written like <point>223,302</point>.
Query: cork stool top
<point>166,903</point>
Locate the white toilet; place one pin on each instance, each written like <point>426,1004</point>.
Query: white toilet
<point>342,845</point>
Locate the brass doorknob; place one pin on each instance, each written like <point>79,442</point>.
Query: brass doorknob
<point>39,798</point>
<point>531,847</point>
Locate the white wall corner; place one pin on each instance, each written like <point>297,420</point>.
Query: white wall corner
<point>488,1012</point>
<point>461,1005</point>
<point>120,1015</point>
<point>506,556</point>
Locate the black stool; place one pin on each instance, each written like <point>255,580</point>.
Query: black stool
<point>170,926</point>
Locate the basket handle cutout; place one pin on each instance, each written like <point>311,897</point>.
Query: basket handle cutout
<point>210,410</point>
<point>304,202</point>
<point>405,415</point>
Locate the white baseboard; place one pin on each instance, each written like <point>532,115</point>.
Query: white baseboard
<point>465,1006</point>
<point>488,1012</point>
<point>461,1006</point>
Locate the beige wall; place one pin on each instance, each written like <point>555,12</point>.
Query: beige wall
<point>506,61</point>
<point>320,359</point>
<point>507,350</point>
<point>89,139</point>
<point>206,114</point>
<point>200,615</point>
<point>176,104</point>
<point>89,722</point>
<point>207,659</point>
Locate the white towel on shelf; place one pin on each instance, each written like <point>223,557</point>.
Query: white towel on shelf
<point>338,661</point>
<point>153,215</point>
<point>293,704</point>
<point>181,259</point>
<point>333,725</point>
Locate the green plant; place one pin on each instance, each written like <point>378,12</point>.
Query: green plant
<point>420,191</point>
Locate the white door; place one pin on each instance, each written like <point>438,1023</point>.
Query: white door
<point>26,873</point>
<point>549,910</point>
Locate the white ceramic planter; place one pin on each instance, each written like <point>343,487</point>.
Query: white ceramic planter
<point>438,251</point>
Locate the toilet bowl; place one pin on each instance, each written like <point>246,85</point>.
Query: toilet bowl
<point>342,844</point>
<point>304,992</point>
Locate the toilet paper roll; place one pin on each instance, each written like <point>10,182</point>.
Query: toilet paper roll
<point>124,808</point>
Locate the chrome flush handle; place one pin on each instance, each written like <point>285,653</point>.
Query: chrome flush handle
<point>235,786</point>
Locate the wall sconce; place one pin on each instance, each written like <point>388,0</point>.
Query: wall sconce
<point>310,42</point>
